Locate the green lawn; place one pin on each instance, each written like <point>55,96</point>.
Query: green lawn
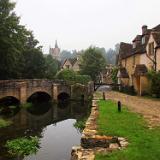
<point>144,143</point>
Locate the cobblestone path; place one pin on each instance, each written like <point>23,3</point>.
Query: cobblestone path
<point>149,108</point>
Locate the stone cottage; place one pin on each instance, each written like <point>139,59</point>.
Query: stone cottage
<point>71,63</point>
<point>136,59</point>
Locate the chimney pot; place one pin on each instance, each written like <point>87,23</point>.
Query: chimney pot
<point>144,29</point>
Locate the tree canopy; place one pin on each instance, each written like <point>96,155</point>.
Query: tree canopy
<point>21,55</point>
<point>93,62</point>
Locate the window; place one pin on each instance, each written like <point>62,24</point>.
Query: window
<point>67,66</point>
<point>134,45</point>
<point>151,48</point>
<point>143,40</point>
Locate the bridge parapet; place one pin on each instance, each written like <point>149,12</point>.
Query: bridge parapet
<point>23,89</point>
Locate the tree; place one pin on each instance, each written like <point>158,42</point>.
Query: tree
<point>154,78</point>
<point>32,62</point>
<point>93,62</point>
<point>52,67</point>
<point>66,74</point>
<point>12,40</point>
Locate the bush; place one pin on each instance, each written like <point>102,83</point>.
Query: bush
<point>80,124</point>
<point>83,79</point>
<point>4,123</point>
<point>66,74</point>
<point>23,146</point>
<point>114,75</point>
<point>71,76</point>
<point>154,78</point>
<point>26,105</point>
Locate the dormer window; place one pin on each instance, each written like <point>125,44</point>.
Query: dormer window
<point>143,40</point>
<point>134,45</point>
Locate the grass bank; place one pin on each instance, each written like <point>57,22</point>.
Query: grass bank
<point>144,143</point>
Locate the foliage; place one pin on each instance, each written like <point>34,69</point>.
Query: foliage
<point>26,105</point>
<point>154,78</point>
<point>52,67</point>
<point>114,75</point>
<point>66,55</point>
<point>144,143</point>
<point>21,57</point>
<point>80,124</point>
<point>4,123</point>
<point>12,40</point>
<point>23,146</point>
<point>83,79</point>
<point>92,63</point>
<point>111,56</point>
<point>66,74</point>
<point>72,76</point>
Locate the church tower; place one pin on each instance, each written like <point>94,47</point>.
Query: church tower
<point>55,52</point>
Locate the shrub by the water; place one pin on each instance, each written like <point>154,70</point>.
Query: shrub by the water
<point>23,146</point>
<point>26,105</point>
<point>5,123</point>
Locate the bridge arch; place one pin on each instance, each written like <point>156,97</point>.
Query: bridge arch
<point>63,96</point>
<point>9,100</point>
<point>39,95</point>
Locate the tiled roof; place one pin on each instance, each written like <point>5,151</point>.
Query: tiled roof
<point>71,60</point>
<point>140,70</point>
<point>137,38</point>
<point>157,28</point>
<point>125,50</point>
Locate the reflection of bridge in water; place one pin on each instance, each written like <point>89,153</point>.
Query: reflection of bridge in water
<point>27,124</point>
<point>22,90</point>
<point>24,121</point>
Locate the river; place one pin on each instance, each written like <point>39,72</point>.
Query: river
<point>52,123</point>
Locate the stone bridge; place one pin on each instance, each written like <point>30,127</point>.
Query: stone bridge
<point>22,90</point>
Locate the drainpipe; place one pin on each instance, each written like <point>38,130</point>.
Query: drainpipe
<point>155,58</point>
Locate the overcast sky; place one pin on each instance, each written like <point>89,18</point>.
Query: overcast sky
<point>77,24</point>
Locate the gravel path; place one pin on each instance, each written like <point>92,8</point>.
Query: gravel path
<point>149,108</point>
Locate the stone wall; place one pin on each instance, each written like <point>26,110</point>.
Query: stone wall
<point>91,142</point>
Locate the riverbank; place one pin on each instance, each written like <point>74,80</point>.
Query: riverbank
<point>144,143</point>
<point>91,141</point>
<point>102,136</point>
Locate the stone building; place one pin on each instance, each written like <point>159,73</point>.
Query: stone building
<point>136,59</point>
<point>55,52</point>
<point>106,74</point>
<point>71,63</point>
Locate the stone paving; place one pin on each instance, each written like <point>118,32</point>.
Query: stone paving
<point>149,108</point>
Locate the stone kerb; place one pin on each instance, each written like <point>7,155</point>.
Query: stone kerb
<point>91,142</point>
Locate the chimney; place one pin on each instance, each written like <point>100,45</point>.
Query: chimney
<point>144,29</point>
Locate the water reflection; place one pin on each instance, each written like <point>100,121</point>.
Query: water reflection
<point>52,123</point>
<point>9,106</point>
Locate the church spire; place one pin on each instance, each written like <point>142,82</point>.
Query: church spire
<point>56,45</point>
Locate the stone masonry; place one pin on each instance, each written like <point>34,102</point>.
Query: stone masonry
<point>91,142</point>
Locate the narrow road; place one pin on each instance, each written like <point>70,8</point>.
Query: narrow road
<point>149,108</point>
